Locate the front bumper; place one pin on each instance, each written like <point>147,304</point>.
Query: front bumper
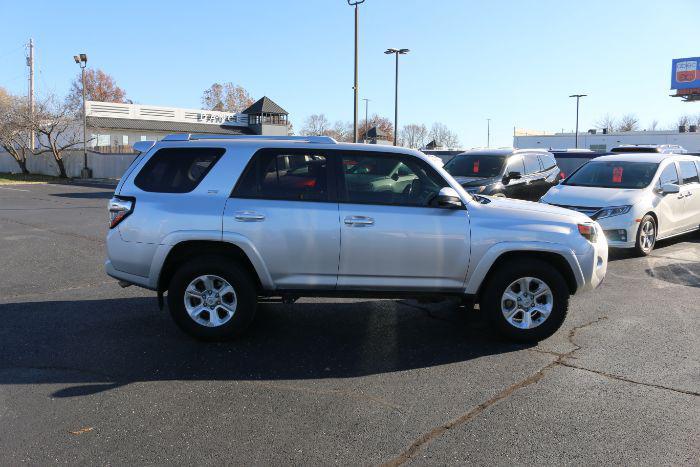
<point>621,231</point>
<point>594,263</point>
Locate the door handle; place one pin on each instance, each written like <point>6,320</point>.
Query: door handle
<point>248,216</point>
<point>359,221</point>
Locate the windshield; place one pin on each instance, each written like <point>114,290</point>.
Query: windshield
<point>475,165</point>
<point>613,174</point>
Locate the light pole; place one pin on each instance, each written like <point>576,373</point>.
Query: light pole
<point>81,60</point>
<point>577,96</point>
<point>354,87</point>
<point>396,52</point>
<point>488,132</point>
<point>364,139</point>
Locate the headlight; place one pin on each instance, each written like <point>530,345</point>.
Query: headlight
<point>612,211</point>
<point>478,189</point>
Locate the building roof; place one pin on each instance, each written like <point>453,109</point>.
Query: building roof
<point>155,125</point>
<point>265,105</point>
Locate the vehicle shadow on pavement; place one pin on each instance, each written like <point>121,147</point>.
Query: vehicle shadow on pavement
<point>99,345</point>
<point>616,254</point>
<point>687,274</point>
<point>86,195</point>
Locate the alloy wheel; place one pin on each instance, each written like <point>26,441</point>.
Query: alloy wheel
<point>210,300</point>
<point>527,302</point>
<point>647,235</point>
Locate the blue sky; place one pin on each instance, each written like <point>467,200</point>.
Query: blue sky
<point>512,61</point>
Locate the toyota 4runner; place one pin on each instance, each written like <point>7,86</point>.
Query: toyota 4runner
<point>219,222</point>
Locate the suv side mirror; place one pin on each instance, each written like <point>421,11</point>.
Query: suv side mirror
<point>448,198</point>
<point>668,188</point>
<point>511,176</point>
<point>395,177</point>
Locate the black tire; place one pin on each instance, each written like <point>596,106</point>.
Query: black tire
<point>503,277</point>
<point>639,248</point>
<point>237,277</point>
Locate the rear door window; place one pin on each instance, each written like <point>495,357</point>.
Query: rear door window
<point>516,165</point>
<point>548,161</point>
<point>285,175</point>
<point>689,172</point>
<point>532,163</point>
<point>177,170</point>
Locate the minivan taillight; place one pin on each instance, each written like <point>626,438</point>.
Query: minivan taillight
<point>119,209</point>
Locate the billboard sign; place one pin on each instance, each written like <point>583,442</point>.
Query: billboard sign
<point>685,73</point>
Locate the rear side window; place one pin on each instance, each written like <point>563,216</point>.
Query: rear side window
<point>286,175</point>
<point>689,172</point>
<point>177,170</point>
<point>532,164</point>
<point>548,161</point>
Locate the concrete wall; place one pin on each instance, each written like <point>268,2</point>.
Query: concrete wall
<point>690,141</point>
<point>102,165</point>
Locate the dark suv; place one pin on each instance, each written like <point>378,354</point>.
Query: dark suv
<point>521,173</point>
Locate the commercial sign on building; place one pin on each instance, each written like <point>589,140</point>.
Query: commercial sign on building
<point>685,73</point>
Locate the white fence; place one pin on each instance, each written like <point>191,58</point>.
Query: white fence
<point>102,165</point>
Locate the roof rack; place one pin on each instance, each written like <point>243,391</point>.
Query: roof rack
<point>301,139</point>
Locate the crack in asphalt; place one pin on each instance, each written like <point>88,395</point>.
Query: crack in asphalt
<point>427,311</point>
<point>430,436</point>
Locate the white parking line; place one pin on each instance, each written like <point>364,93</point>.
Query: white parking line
<point>13,189</point>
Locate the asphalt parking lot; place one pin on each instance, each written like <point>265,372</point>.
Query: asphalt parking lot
<point>92,373</point>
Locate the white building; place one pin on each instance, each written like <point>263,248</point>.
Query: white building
<point>603,142</point>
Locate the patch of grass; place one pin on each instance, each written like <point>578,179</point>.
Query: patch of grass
<point>14,179</point>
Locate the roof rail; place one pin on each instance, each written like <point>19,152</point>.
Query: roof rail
<point>198,136</point>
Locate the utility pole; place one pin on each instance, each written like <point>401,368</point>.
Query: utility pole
<point>364,139</point>
<point>577,96</point>
<point>355,86</point>
<point>488,132</point>
<point>30,64</point>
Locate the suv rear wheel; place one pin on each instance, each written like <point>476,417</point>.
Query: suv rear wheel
<point>526,301</point>
<point>211,299</point>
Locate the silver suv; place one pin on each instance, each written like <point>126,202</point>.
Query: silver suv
<point>218,222</point>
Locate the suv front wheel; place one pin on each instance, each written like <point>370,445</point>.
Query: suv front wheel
<point>526,301</point>
<point>211,299</point>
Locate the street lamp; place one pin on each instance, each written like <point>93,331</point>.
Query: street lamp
<point>396,52</point>
<point>488,132</point>
<point>577,96</point>
<point>81,60</point>
<point>354,86</point>
<point>364,139</point>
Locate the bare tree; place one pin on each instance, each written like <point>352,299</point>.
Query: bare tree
<point>629,122</point>
<point>383,124</point>
<point>653,125</point>
<point>99,86</point>
<point>14,133</point>
<point>213,98</point>
<point>316,125</point>
<point>413,135</point>
<point>443,136</point>
<point>57,129</point>
<point>227,97</point>
<point>236,98</point>
<point>684,120</point>
<point>607,122</point>
<point>341,131</point>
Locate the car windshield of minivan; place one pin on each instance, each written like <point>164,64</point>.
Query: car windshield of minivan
<point>613,174</point>
<point>475,165</point>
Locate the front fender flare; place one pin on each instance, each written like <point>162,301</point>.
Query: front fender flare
<point>479,271</point>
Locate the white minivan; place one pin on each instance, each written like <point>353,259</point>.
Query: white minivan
<point>637,198</point>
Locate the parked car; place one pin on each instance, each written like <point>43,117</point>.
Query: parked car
<point>647,148</point>
<point>217,222</point>
<point>637,198</point>
<point>522,173</point>
<point>568,160</point>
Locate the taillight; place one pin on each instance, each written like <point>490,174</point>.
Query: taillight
<point>589,232</point>
<point>119,209</point>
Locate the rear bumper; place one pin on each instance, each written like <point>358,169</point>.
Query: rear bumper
<point>125,276</point>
